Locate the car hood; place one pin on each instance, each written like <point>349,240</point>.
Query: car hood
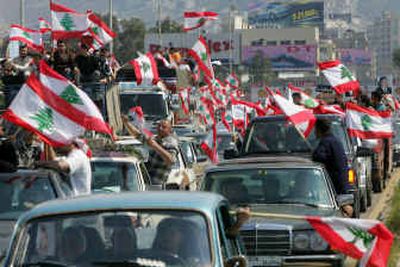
<point>285,223</point>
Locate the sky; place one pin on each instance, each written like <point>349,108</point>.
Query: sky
<point>144,9</point>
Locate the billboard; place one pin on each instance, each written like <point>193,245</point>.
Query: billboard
<point>220,45</point>
<point>354,56</point>
<point>283,57</point>
<point>286,14</point>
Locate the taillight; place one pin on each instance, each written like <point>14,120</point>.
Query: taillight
<point>351,176</point>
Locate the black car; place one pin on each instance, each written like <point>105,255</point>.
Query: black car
<point>274,135</point>
<point>22,190</point>
<point>280,185</point>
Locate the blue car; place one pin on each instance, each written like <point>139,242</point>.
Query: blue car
<point>128,229</point>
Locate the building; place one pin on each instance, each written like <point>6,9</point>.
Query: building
<point>384,38</point>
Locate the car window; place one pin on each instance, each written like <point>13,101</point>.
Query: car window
<point>65,187</point>
<point>271,186</point>
<point>153,105</point>
<point>224,142</point>
<point>145,173</point>
<point>229,245</point>
<point>20,193</point>
<point>176,238</point>
<point>114,176</point>
<point>187,152</point>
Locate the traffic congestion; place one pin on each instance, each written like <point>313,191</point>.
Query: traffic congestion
<point>171,159</point>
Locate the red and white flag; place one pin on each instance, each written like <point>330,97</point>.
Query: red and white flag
<point>367,123</point>
<point>330,109</point>
<point>66,98</point>
<point>184,96</point>
<point>44,25</point>
<point>232,81</point>
<point>368,241</point>
<point>98,28</point>
<point>67,23</point>
<point>195,20</point>
<point>145,68</point>
<point>209,145</point>
<point>302,118</point>
<point>306,100</point>
<point>225,119</point>
<point>201,54</point>
<point>31,110</point>
<point>339,76</point>
<point>32,38</point>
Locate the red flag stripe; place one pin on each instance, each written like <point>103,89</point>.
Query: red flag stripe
<point>60,8</point>
<point>102,25</point>
<point>28,43</point>
<point>23,28</point>
<point>138,73</point>
<point>329,64</point>
<point>346,87</point>
<point>355,107</point>
<point>381,252</point>
<point>369,135</point>
<point>200,14</point>
<point>153,63</point>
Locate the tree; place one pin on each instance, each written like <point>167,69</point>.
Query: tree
<point>167,26</point>
<point>260,69</point>
<point>396,57</point>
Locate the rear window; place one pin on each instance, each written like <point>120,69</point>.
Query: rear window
<point>281,136</point>
<point>153,105</point>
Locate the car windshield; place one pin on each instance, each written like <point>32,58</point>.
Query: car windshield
<point>153,105</point>
<point>271,186</point>
<point>280,136</point>
<point>20,193</point>
<point>223,142</point>
<point>114,176</point>
<point>123,238</point>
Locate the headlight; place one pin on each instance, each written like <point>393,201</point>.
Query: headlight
<point>317,243</point>
<point>301,241</point>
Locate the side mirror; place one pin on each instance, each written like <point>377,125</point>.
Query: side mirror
<point>201,158</point>
<point>231,153</point>
<point>345,199</point>
<point>236,261</point>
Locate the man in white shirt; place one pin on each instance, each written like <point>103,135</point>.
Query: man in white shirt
<point>75,163</point>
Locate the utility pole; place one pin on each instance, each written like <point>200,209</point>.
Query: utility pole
<point>159,22</point>
<point>22,12</point>
<point>231,25</point>
<point>110,23</point>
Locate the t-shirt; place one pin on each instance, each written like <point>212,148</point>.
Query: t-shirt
<point>80,172</point>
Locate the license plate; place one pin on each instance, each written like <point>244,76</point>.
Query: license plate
<point>265,261</point>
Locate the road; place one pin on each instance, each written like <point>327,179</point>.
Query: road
<point>379,203</point>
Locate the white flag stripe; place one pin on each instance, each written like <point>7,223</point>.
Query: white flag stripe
<point>80,21</point>
<point>58,86</point>
<point>26,104</point>
<point>333,75</point>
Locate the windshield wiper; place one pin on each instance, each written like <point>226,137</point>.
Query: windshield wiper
<point>131,263</point>
<point>45,263</point>
<point>296,203</point>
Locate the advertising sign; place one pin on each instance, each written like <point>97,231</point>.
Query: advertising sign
<point>220,45</point>
<point>354,56</point>
<point>286,14</point>
<point>284,57</point>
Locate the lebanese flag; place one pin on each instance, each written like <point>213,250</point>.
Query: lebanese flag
<point>201,54</point>
<point>100,29</point>
<point>306,100</point>
<point>67,23</point>
<point>239,116</point>
<point>31,111</point>
<point>66,98</point>
<point>145,68</point>
<point>225,120</point>
<point>250,105</point>
<point>368,241</point>
<point>302,118</point>
<point>209,145</point>
<point>232,81</point>
<point>184,95</point>
<point>195,20</point>
<point>44,25</point>
<point>367,123</point>
<point>32,38</point>
<point>339,76</point>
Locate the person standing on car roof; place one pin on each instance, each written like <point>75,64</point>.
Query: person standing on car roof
<point>164,149</point>
<point>330,152</point>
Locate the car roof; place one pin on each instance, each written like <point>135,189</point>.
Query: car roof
<point>202,201</point>
<point>256,162</point>
<point>28,172</point>
<point>280,117</point>
<point>115,159</point>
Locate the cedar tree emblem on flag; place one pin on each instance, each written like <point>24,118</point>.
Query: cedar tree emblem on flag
<point>70,95</point>
<point>44,119</point>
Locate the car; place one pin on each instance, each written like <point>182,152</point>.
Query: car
<point>274,135</point>
<point>396,143</point>
<point>128,229</point>
<point>24,189</point>
<point>280,185</point>
<point>119,173</point>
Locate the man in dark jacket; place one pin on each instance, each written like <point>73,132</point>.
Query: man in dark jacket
<point>8,154</point>
<point>331,153</point>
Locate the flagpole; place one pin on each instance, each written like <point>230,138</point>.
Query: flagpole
<point>230,38</point>
<point>22,12</point>
<point>110,10</point>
